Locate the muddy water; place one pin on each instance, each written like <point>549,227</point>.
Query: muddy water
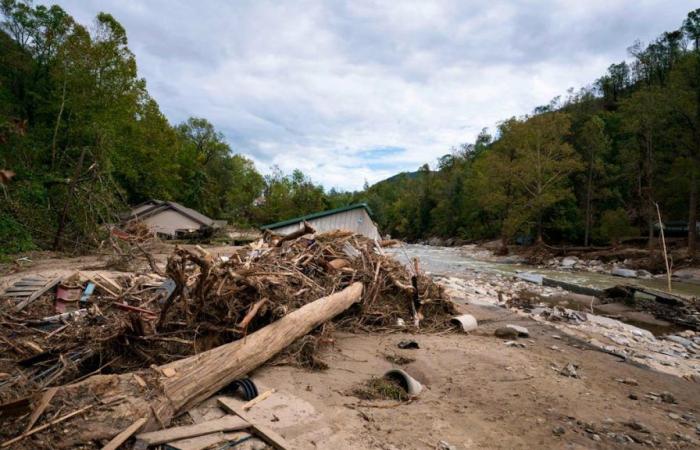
<point>456,261</point>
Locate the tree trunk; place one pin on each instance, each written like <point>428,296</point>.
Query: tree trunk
<point>651,213</point>
<point>589,188</point>
<point>195,378</point>
<point>692,212</point>
<point>69,198</point>
<point>540,239</point>
<point>58,122</point>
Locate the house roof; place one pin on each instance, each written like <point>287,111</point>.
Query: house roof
<point>317,215</point>
<point>159,206</point>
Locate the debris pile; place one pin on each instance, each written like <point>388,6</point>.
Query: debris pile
<point>99,323</point>
<point>131,243</point>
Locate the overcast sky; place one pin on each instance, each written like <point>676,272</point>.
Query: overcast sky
<point>360,90</point>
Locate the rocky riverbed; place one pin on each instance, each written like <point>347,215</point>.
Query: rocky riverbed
<point>676,353</point>
<point>474,275</point>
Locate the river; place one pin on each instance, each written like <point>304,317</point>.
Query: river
<point>459,261</point>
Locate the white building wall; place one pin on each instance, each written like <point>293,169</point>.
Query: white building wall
<point>356,220</point>
<point>168,221</point>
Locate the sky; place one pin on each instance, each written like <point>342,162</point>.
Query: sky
<point>355,91</point>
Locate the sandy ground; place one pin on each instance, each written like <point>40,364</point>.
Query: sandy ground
<point>480,392</point>
<point>484,394</point>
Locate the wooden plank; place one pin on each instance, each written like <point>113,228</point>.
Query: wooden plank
<point>41,407</point>
<point>15,288</point>
<point>21,305</point>
<point>226,423</point>
<point>103,287</point>
<point>19,292</point>
<point>110,282</point>
<point>30,283</point>
<point>207,441</point>
<point>11,295</point>
<point>258,399</point>
<point>268,435</point>
<point>124,435</point>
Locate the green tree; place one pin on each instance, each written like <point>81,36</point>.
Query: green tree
<point>543,161</point>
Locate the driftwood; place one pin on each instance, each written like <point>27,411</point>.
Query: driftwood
<point>197,377</point>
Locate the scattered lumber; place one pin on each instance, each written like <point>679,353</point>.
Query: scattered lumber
<point>197,377</point>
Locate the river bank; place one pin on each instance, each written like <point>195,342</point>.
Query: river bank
<point>476,275</point>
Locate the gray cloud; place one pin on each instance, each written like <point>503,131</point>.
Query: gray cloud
<point>325,86</point>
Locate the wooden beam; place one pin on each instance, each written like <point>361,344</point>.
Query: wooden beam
<point>41,407</point>
<point>226,423</point>
<point>268,435</point>
<point>124,435</point>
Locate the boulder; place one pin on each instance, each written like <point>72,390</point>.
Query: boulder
<point>622,272</point>
<point>522,331</point>
<point>506,333</point>
<point>689,274</point>
<point>569,262</point>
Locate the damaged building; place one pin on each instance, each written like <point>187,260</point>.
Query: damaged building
<point>170,219</point>
<point>354,218</point>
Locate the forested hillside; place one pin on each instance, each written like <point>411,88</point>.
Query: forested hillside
<point>85,139</point>
<point>588,168</point>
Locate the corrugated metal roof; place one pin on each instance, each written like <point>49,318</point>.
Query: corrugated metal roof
<point>317,215</point>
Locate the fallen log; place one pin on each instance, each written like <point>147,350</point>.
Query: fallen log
<point>196,378</point>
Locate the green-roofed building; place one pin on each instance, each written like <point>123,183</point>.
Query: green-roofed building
<point>356,218</point>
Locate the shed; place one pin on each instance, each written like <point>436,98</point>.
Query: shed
<point>356,218</point>
<point>171,219</point>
